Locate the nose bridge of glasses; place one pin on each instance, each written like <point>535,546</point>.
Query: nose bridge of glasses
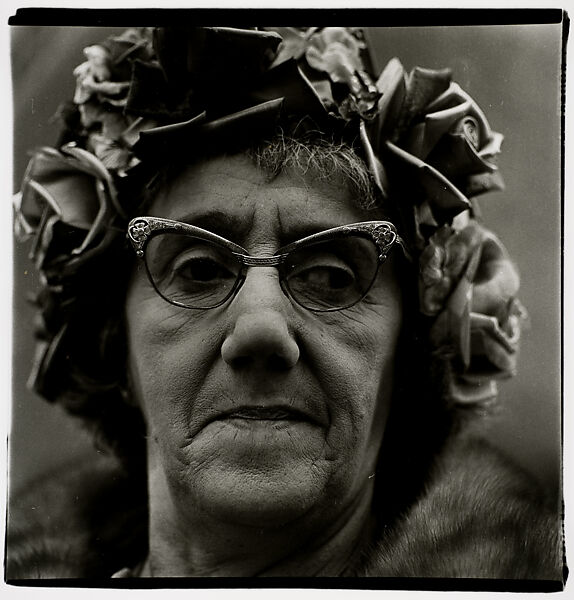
<point>263,288</point>
<point>260,261</point>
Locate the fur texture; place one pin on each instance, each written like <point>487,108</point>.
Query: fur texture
<point>479,517</point>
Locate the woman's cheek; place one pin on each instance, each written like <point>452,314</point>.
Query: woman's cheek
<point>361,339</point>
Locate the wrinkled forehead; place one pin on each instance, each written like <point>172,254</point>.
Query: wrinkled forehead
<point>232,196</point>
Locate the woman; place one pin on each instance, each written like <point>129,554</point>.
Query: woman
<point>289,359</point>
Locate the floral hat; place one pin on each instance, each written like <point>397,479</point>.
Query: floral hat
<point>148,93</point>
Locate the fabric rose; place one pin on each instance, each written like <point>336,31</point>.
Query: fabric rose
<point>213,69</point>
<point>316,73</point>
<point>337,52</point>
<point>441,137</point>
<point>68,202</point>
<point>332,55</point>
<point>105,76</point>
<point>93,78</point>
<point>467,283</point>
<point>193,96</point>
<point>102,89</point>
<point>69,205</point>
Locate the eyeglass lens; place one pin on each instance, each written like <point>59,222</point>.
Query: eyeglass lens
<point>196,273</point>
<point>331,274</point>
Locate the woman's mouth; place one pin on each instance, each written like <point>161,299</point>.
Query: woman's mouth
<point>266,413</point>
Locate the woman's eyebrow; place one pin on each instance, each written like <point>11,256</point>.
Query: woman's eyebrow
<point>298,231</point>
<point>236,228</point>
<point>226,225</point>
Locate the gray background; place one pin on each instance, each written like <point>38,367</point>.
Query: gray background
<point>513,72</point>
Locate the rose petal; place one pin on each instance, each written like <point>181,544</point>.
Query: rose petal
<point>106,88</point>
<point>112,155</point>
<point>341,35</point>
<point>494,351</point>
<point>445,199</point>
<point>113,123</point>
<point>492,147</point>
<point>293,43</point>
<point>287,81</point>
<point>22,228</point>
<point>375,166</point>
<point>433,297</point>
<point>447,110</point>
<point>336,61</point>
<point>42,246</point>
<point>335,51</point>
<point>214,56</point>
<point>486,324</point>
<point>460,248</point>
<point>481,391</point>
<point>391,84</point>
<point>90,113</point>
<point>254,121</point>
<point>422,86</point>
<point>418,89</point>
<point>424,218</point>
<point>433,256</point>
<point>455,157</point>
<point>131,45</point>
<point>43,357</point>
<point>107,192</point>
<point>431,263</point>
<point>323,90</point>
<point>435,125</point>
<point>452,326</point>
<point>497,280</point>
<point>131,134</point>
<point>52,181</point>
<point>475,185</point>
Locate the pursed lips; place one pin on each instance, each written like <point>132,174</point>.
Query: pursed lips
<point>265,413</point>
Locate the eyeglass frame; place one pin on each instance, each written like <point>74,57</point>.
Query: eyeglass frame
<point>383,233</point>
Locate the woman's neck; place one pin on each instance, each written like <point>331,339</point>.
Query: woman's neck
<point>205,547</point>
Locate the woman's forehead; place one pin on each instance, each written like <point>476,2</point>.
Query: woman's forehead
<point>231,195</point>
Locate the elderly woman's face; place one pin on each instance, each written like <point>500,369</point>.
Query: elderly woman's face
<point>260,411</point>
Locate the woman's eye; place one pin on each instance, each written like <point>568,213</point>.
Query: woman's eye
<point>324,272</point>
<point>328,277</point>
<point>201,268</point>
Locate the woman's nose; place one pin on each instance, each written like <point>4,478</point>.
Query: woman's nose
<point>261,335</point>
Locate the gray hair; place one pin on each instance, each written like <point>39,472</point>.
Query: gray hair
<point>323,158</point>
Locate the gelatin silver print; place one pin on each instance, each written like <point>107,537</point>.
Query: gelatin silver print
<point>287,304</point>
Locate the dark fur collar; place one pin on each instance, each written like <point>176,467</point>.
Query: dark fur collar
<point>479,516</point>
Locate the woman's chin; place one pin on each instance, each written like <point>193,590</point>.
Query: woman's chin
<point>261,478</point>
<point>261,501</point>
